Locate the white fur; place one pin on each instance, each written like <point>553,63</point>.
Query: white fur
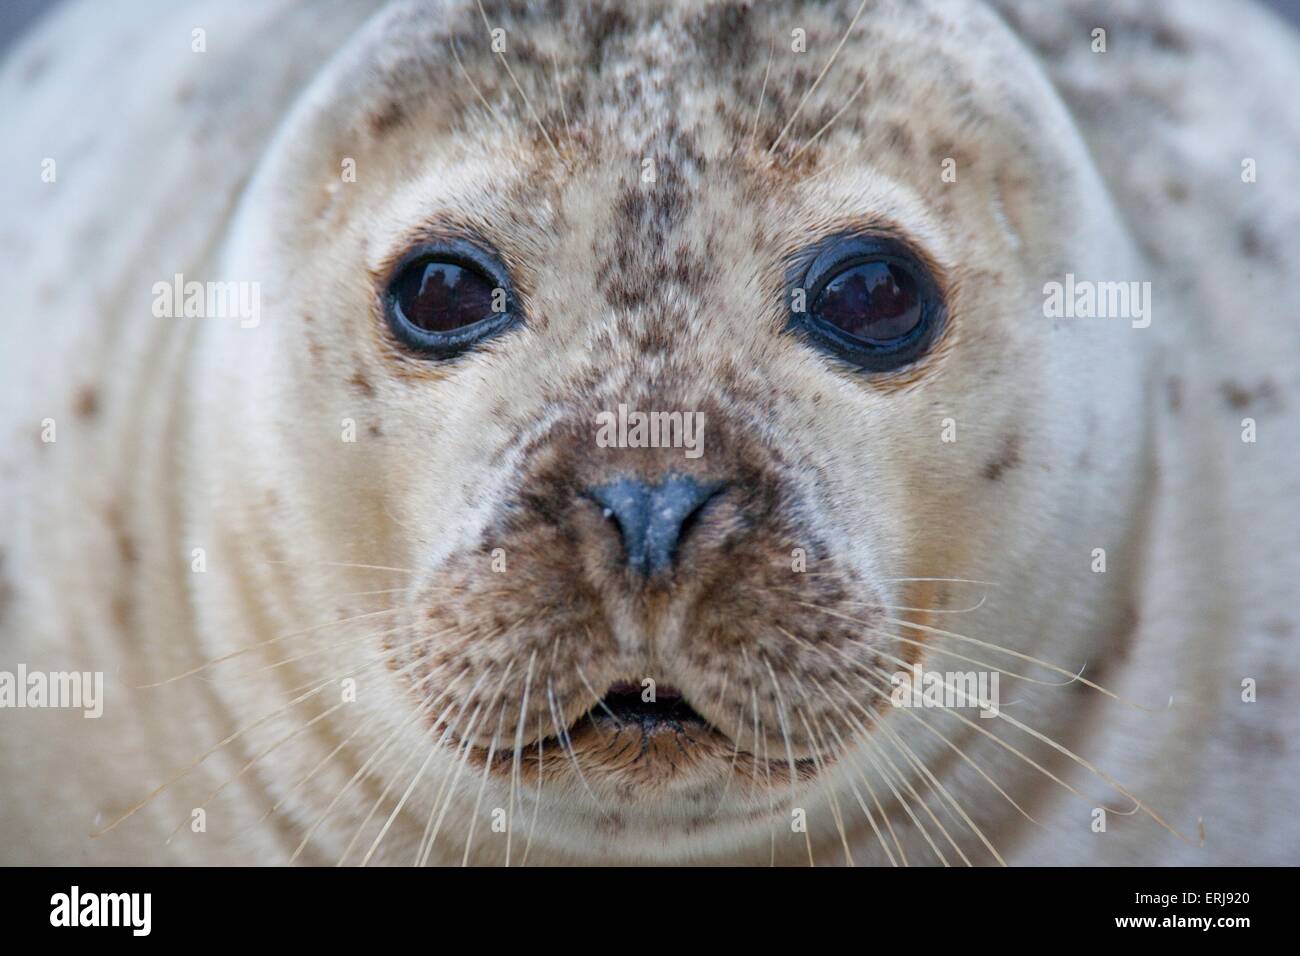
<point>225,164</point>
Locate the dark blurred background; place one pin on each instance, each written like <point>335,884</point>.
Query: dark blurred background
<point>16,15</point>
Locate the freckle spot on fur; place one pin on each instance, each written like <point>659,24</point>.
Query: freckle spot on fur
<point>1250,242</point>
<point>6,591</point>
<point>87,404</point>
<point>92,233</point>
<point>1279,627</point>
<point>362,384</point>
<point>384,119</point>
<point>121,611</point>
<point>1007,459</point>
<point>1240,397</point>
<point>1117,648</point>
<point>36,66</point>
<point>374,431</point>
<point>1167,38</point>
<point>126,547</point>
<point>899,140</point>
<point>1253,739</point>
<point>1174,393</point>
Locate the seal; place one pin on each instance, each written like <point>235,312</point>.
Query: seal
<point>696,432</point>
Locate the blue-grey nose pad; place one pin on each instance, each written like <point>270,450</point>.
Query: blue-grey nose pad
<point>652,517</point>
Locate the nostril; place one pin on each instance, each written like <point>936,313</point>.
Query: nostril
<point>677,504</point>
<point>626,502</point>
<point>654,519</point>
<point>692,519</point>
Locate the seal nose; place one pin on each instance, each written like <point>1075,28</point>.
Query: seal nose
<point>653,519</point>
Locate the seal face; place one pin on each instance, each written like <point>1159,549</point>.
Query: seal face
<point>644,396</point>
<point>669,510</point>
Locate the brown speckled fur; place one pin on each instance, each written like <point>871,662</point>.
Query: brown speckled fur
<point>331,561</point>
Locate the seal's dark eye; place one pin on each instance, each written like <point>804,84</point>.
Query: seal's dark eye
<point>869,302</point>
<point>443,299</point>
<point>442,296</point>
<point>874,301</point>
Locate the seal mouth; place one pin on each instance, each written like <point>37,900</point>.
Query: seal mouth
<point>666,710</point>
<point>648,737</point>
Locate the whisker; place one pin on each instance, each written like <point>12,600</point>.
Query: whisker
<point>966,720</point>
<point>566,745</point>
<point>771,793</point>
<point>527,102</point>
<point>421,638</point>
<point>487,764</point>
<point>448,730</point>
<point>861,803</point>
<point>974,726</point>
<point>388,787</point>
<point>487,771</point>
<point>514,763</point>
<point>934,648</point>
<point>957,750</point>
<point>343,743</point>
<point>886,607</point>
<point>960,753</point>
<point>443,804</point>
<point>375,755</point>
<point>314,770</point>
<point>559,95</point>
<point>253,761</point>
<point>830,122</point>
<point>1100,774</point>
<point>771,49</point>
<point>455,52</point>
<point>920,801</point>
<point>341,564</point>
<point>839,711</point>
<point>383,830</point>
<point>795,115</point>
<point>419,775</point>
<point>1025,657</point>
<point>537,803</point>
<point>206,665</point>
<point>351,594</point>
<point>907,580</point>
<point>819,746</point>
<point>789,752</point>
<point>134,808</point>
<point>869,752</point>
<point>600,701</point>
<point>939,790</point>
<point>439,808</point>
<point>735,756</point>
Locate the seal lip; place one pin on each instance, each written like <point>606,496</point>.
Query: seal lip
<point>824,261</point>
<point>448,345</point>
<point>591,732</point>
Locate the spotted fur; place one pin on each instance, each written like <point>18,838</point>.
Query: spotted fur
<point>375,560</point>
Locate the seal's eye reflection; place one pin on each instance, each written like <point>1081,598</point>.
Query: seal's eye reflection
<point>442,301</point>
<point>442,296</point>
<point>869,302</point>
<point>872,301</point>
